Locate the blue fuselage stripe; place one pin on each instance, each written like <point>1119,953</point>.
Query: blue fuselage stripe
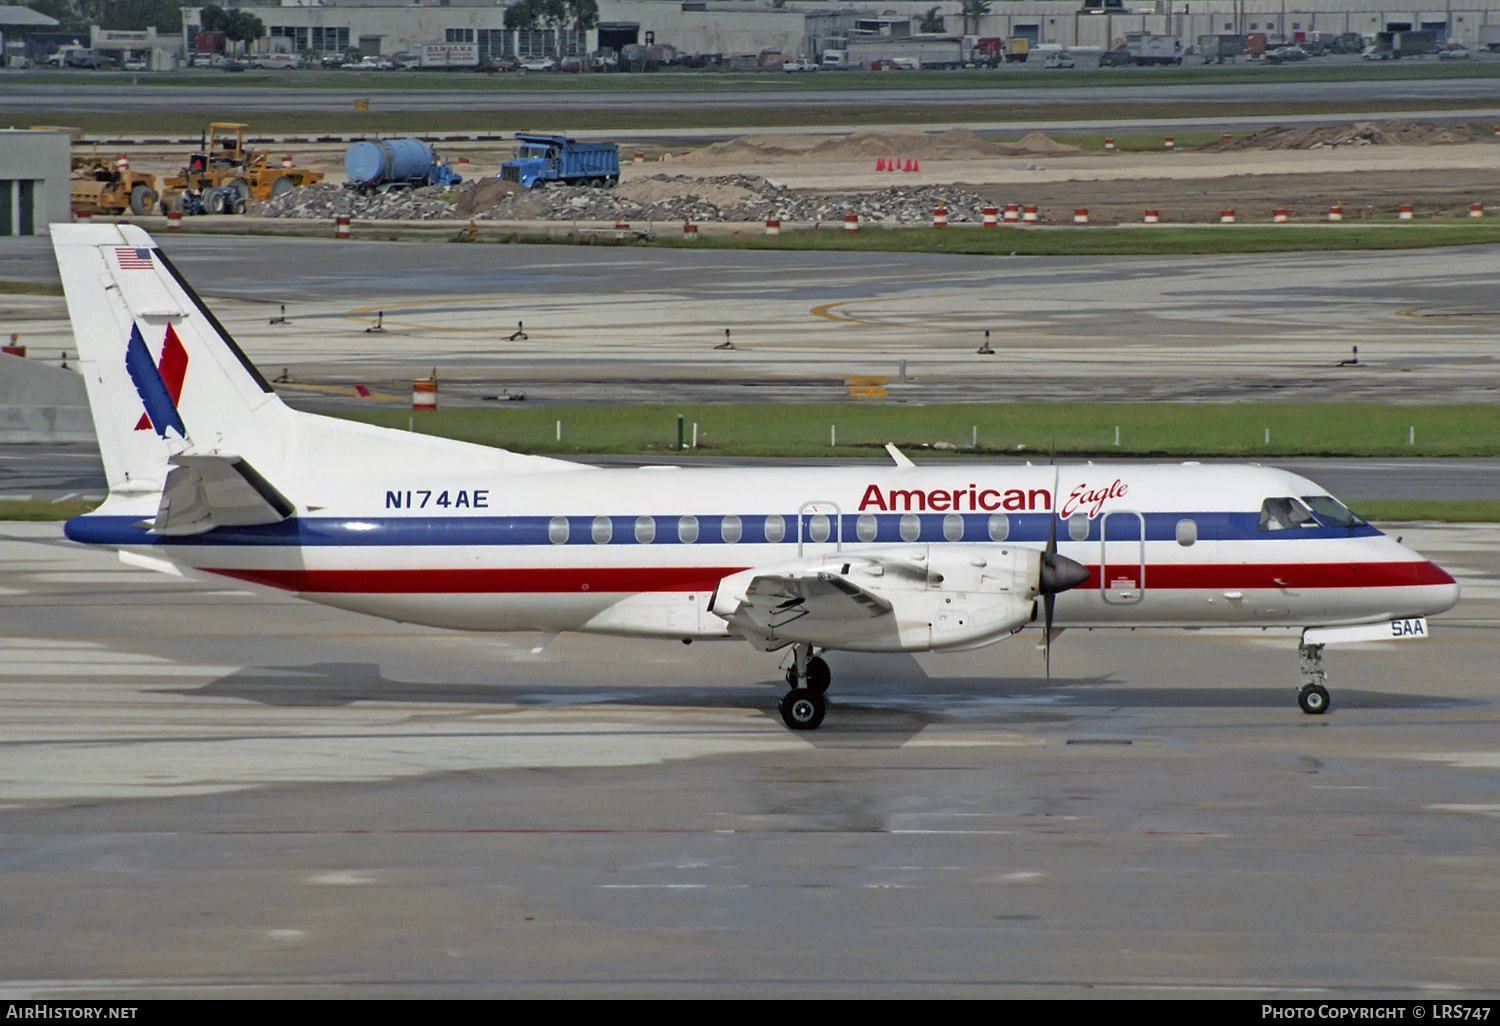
<point>1020,528</point>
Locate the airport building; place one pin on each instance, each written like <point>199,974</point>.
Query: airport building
<point>807,29</point>
<point>34,170</point>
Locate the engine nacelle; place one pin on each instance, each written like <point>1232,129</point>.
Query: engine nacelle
<point>897,599</point>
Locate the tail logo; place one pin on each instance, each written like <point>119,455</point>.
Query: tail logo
<point>159,385</point>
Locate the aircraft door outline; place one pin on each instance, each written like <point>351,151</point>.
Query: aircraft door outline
<point>832,518</point>
<point>1122,583</point>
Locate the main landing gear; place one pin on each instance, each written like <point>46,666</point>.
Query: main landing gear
<point>808,677</point>
<point>1312,696</point>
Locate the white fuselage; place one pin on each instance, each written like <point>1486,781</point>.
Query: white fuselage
<point>641,551</point>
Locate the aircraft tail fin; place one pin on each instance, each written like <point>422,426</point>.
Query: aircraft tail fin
<point>164,377</point>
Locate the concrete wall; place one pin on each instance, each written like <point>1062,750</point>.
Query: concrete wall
<point>34,172</point>
<point>42,403</point>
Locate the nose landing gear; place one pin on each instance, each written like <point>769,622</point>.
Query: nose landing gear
<point>1312,696</point>
<point>803,706</point>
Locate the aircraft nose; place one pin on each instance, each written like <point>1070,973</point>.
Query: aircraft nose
<point>1443,591</point>
<point>1059,573</point>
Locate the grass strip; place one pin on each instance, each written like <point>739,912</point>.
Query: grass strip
<point>1095,240</point>
<point>38,509</point>
<point>1461,511</point>
<point>512,114</point>
<point>1102,240</point>
<point>684,80</point>
<point>863,427</point>
<point>31,288</point>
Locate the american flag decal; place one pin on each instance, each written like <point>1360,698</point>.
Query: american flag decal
<point>132,258</point>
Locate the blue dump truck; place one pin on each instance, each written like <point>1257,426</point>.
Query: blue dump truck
<point>541,159</point>
<point>396,163</point>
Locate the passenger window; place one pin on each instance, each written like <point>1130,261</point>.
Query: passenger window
<point>999,527</point>
<point>1078,526</point>
<point>866,527</point>
<point>731,530</point>
<point>1285,514</point>
<point>601,530</point>
<point>775,528</point>
<point>817,528</point>
<point>687,530</point>
<point>953,527</point>
<point>557,530</point>
<point>1187,532</point>
<point>645,530</point>
<point>911,527</point>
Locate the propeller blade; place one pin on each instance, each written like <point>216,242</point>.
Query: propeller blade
<point>1047,603</point>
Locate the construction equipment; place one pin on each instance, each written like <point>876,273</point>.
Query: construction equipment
<point>227,176</point>
<point>105,185</point>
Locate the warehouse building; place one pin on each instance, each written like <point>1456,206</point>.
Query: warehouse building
<point>806,29</point>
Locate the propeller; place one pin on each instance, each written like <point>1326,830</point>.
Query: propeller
<point>1058,574</point>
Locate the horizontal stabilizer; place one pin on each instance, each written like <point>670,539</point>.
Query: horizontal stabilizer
<point>204,492</point>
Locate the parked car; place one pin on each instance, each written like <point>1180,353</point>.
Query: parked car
<point>1373,54</point>
<point>1455,52</point>
<point>89,59</point>
<point>135,64</point>
<point>1115,59</point>
<point>333,60</point>
<point>544,64</point>
<point>1286,55</point>
<point>202,60</point>
<point>406,61</point>
<point>799,65</point>
<point>232,65</point>
<point>1059,60</point>
<point>500,64</point>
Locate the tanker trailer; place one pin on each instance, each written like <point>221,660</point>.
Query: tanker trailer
<point>384,164</point>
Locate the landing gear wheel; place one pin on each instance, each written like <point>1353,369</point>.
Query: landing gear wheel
<point>1313,698</point>
<point>818,676</point>
<point>803,709</point>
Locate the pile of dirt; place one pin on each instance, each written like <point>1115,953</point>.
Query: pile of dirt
<point>482,195</point>
<point>902,144</point>
<point>1397,132</point>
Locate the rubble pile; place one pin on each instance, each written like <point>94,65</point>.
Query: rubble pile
<point>743,198</point>
<point>1396,132</point>
<point>660,198</point>
<point>324,200</point>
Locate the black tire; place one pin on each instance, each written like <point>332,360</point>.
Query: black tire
<point>281,187</point>
<point>216,202</point>
<point>818,676</point>
<point>142,199</point>
<point>802,709</point>
<point>242,187</point>
<point>1313,698</point>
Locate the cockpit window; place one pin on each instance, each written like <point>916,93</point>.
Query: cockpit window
<point>1331,511</point>
<point>1285,514</point>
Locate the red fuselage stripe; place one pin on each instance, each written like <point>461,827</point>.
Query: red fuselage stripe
<point>562,580</point>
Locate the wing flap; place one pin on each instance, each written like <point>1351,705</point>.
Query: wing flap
<point>774,600</point>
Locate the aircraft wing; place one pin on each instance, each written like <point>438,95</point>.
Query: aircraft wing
<point>204,492</point>
<point>774,600</point>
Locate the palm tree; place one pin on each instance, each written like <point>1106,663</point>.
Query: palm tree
<point>973,11</point>
<point>932,21</point>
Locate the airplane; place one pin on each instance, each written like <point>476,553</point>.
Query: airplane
<point>212,475</point>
